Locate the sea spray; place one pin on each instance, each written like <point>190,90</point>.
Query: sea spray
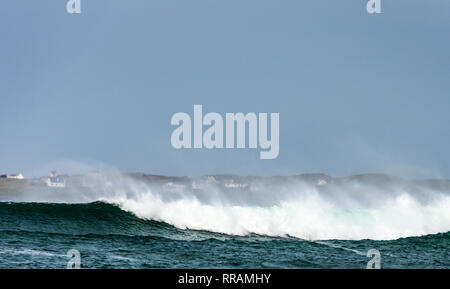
<point>354,208</point>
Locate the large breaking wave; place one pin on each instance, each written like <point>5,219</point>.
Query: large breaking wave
<point>347,209</point>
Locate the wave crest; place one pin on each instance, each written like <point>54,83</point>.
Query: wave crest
<point>347,209</point>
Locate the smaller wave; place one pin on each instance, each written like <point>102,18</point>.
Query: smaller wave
<point>335,246</point>
<point>30,252</point>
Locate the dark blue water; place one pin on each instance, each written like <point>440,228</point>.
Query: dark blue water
<point>38,235</point>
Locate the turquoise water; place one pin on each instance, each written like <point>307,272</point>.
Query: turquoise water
<point>38,235</point>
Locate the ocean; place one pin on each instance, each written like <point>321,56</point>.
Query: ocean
<point>124,222</point>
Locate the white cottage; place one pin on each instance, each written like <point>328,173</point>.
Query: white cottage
<point>55,181</point>
<point>13,176</point>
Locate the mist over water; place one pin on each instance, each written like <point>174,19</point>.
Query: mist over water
<point>361,207</point>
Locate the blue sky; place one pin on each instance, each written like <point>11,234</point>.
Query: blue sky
<point>356,92</point>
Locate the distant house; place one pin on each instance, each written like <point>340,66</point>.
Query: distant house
<point>12,176</point>
<point>234,185</point>
<point>55,181</point>
<point>211,179</point>
<point>202,183</point>
<point>174,187</point>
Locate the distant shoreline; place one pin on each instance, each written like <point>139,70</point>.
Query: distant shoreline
<point>228,181</point>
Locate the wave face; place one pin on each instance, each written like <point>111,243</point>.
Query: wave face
<point>315,208</point>
<point>90,219</point>
<point>38,235</point>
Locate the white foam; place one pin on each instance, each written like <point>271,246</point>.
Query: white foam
<point>308,217</point>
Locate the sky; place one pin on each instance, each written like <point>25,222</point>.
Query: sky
<point>356,92</point>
